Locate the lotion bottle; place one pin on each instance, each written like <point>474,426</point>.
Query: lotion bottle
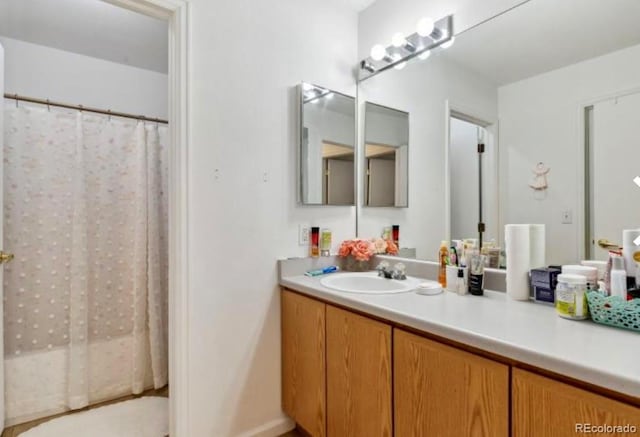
<point>618,277</point>
<point>442,273</point>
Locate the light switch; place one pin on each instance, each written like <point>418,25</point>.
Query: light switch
<point>567,217</point>
<point>303,235</point>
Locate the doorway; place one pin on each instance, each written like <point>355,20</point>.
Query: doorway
<point>472,178</point>
<point>175,12</point>
<point>612,153</point>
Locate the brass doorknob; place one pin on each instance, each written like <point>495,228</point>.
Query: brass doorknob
<point>5,257</point>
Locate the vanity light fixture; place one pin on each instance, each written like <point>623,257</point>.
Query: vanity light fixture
<point>313,93</point>
<point>429,35</point>
<point>399,40</point>
<point>424,55</point>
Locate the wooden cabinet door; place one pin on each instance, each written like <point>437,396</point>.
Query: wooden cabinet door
<point>442,391</point>
<point>303,362</point>
<point>543,407</point>
<point>358,376</point>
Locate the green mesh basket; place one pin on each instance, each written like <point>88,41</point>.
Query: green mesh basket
<point>614,311</point>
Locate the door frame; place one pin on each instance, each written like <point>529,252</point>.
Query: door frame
<point>176,12</point>
<point>478,117</point>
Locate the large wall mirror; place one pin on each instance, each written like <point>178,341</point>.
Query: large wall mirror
<point>386,156</point>
<point>549,91</point>
<point>327,146</point>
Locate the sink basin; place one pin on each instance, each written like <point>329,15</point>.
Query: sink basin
<point>368,283</point>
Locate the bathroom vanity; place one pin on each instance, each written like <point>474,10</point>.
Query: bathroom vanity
<point>449,365</point>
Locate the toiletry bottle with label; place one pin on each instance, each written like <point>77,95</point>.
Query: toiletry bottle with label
<point>325,242</point>
<point>314,241</point>
<point>442,273</point>
<point>618,277</point>
<point>395,234</point>
<point>476,273</point>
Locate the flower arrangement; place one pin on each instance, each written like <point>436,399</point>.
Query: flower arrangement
<point>363,249</point>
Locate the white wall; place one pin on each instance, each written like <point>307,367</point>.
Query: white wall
<point>541,120</point>
<point>46,73</point>
<point>422,224</point>
<point>246,59</point>
<point>383,18</point>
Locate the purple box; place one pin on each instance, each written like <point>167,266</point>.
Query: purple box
<point>543,283</point>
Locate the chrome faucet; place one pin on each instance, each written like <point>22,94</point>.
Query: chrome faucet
<point>397,272</point>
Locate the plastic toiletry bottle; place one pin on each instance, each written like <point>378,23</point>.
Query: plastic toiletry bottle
<point>395,234</point>
<point>325,242</point>
<point>618,277</point>
<point>461,287</point>
<point>442,273</point>
<point>571,298</point>
<point>314,242</point>
<point>476,274</point>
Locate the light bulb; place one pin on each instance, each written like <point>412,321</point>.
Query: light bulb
<point>425,26</point>
<point>424,55</point>
<point>401,65</point>
<point>449,43</point>
<point>378,52</point>
<point>398,40</point>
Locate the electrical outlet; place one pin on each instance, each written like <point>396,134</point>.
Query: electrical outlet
<point>303,235</point>
<point>567,217</point>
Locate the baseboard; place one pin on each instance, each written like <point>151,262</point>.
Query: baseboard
<point>274,428</point>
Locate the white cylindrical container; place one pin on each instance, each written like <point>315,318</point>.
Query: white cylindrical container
<point>600,265</point>
<point>629,248</point>
<point>518,250</point>
<point>618,277</point>
<point>571,298</point>
<point>591,273</point>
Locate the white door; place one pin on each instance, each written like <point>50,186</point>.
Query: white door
<point>1,240</point>
<point>340,182</point>
<point>382,182</point>
<point>615,155</point>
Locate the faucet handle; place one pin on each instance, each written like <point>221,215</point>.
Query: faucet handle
<point>399,271</point>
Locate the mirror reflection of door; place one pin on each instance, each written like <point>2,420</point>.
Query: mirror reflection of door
<point>471,166</point>
<point>338,174</point>
<point>613,161</point>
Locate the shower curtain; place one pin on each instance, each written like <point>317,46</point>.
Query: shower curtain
<point>85,212</point>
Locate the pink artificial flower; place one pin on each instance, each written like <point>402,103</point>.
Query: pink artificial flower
<point>363,250</point>
<point>380,245</point>
<point>345,248</point>
<point>392,248</point>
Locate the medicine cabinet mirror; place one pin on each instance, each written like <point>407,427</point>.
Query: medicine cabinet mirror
<point>553,101</point>
<point>327,146</point>
<point>386,156</point>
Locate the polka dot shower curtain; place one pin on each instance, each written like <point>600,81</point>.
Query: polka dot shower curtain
<point>85,212</point>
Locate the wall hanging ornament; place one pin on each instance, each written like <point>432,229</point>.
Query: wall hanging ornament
<point>539,182</point>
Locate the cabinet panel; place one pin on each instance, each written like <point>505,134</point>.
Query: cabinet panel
<point>543,407</point>
<point>446,392</point>
<point>358,375</point>
<point>303,362</point>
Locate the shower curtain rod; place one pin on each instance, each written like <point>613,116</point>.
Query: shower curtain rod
<point>47,102</point>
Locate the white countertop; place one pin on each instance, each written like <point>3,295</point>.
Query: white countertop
<point>524,331</point>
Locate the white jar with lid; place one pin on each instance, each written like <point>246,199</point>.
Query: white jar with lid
<point>589,272</point>
<point>571,297</point>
